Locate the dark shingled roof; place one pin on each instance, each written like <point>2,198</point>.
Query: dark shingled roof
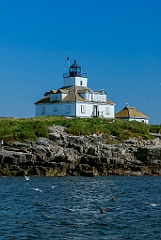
<point>73,94</point>
<point>43,100</point>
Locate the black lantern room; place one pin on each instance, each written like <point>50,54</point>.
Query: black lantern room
<point>75,70</point>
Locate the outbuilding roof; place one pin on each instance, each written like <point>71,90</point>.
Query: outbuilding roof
<point>130,112</point>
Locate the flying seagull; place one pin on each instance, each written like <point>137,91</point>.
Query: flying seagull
<point>37,189</point>
<point>27,178</point>
<point>103,210</point>
<point>114,199</point>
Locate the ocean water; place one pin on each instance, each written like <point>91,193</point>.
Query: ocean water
<point>69,208</point>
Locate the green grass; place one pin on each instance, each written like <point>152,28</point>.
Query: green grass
<point>12,129</point>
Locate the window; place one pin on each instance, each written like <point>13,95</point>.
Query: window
<point>83,108</point>
<point>68,108</point>
<point>81,83</point>
<point>43,110</point>
<point>107,110</point>
<point>55,108</point>
<point>56,97</point>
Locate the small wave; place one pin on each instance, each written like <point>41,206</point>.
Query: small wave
<point>49,216</point>
<point>152,204</point>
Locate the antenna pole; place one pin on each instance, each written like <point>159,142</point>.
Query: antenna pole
<point>68,59</point>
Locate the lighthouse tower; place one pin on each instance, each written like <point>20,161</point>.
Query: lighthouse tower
<point>75,77</point>
<point>75,98</point>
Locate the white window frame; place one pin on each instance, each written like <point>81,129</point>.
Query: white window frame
<point>107,110</point>
<point>83,108</point>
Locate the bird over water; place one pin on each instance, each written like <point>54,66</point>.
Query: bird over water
<point>104,210</point>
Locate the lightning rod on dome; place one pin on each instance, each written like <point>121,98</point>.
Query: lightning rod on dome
<point>68,59</point>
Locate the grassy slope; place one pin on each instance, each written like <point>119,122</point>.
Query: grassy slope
<point>12,129</point>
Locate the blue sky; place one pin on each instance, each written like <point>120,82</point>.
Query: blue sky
<point>116,42</point>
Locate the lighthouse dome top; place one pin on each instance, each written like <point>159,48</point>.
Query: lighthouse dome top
<point>75,65</point>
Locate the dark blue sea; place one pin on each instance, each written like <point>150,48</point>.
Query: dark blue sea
<point>69,208</point>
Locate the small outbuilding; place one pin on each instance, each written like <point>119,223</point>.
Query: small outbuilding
<point>131,114</point>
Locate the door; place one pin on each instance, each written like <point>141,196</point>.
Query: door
<point>95,110</point>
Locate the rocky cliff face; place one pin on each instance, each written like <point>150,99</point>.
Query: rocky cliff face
<point>63,155</point>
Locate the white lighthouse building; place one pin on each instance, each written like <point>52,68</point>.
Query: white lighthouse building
<point>75,98</point>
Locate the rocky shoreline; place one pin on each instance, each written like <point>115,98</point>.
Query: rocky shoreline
<point>65,155</point>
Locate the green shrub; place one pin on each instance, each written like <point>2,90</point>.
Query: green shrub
<point>155,128</point>
<point>31,128</point>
